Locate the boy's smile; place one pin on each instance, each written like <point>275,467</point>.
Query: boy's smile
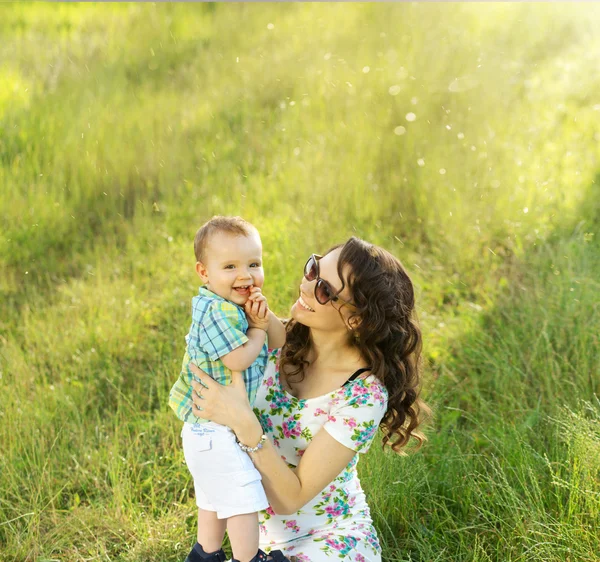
<point>231,265</point>
<point>243,290</point>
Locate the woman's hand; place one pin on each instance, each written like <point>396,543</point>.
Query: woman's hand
<point>225,405</point>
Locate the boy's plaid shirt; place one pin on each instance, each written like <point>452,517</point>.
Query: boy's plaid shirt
<point>218,327</point>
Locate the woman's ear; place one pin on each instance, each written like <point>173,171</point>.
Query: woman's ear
<point>353,322</point>
<point>202,272</point>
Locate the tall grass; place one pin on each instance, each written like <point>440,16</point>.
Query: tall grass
<point>125,126</point>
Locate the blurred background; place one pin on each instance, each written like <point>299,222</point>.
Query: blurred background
<point>462,137</point>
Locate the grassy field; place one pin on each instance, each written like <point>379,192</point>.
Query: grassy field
<point>464,138</point>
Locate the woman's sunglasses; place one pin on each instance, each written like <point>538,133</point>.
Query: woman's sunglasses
<point>324,292</point>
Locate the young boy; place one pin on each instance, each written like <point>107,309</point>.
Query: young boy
<point>230,325</point>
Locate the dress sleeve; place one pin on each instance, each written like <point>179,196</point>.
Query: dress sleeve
<point>356,413</point>
<point>220,330</point>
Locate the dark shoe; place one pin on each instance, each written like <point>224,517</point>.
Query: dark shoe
<point>197,554</point>
<point>277,556</point>
<point>273,556</point>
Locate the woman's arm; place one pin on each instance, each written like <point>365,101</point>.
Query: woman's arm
<point>276,332</point>
<point>287,490</point>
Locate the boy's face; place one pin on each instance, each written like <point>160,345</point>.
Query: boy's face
<point>232,265</point>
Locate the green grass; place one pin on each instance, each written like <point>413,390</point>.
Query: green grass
<point>124,126</point>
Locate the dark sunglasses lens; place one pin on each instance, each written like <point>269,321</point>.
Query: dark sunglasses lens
<point>322,292</point>
<point>310,269</point>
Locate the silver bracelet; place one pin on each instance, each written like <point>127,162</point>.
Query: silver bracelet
<point>259,445</point>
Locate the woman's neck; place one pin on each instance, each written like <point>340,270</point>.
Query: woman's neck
<point>331,351</point>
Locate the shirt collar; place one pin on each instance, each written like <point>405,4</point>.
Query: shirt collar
<point>204,292</point>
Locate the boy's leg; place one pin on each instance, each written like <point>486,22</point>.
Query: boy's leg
<point>211,530</point>
<point>243,536</point>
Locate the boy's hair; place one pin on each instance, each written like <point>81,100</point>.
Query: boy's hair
<point>233,225</point>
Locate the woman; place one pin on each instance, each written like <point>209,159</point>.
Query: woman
<point>350,364</point>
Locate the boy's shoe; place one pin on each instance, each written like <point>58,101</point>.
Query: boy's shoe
<point>197,554</point>
<point>273,556</point>
<point>277,556</point>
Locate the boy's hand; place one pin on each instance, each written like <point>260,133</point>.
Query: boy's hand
<point>257,309</point>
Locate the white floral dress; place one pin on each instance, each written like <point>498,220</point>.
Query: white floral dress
<point>336,524</point>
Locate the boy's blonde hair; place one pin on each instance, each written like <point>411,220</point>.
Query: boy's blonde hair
<point>233,225</point>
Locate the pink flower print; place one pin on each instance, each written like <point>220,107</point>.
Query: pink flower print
<point>292,525</point>
<point>319,412</point>
<point>331,418</point>
<point>276,443</point>
<point>270,511</point>
<point>262,528</point>
<point>350,422</point>
<point>345,545</point>
<point>265,421</point>
<point>334,544</point>
<point>302,557</point>
<point>300,452</point>
<point>338,508</point>
<point>291,428</point>
<point>360,557</point>
<point>331,487</point>
<point>333,510</point>
<point>379,397</point>
<point>372,540</point>
<point>269,381</point>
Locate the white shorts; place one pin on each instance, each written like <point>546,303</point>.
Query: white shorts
<point>225,479</point>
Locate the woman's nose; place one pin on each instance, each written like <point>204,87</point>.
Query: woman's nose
<point>306,286</point>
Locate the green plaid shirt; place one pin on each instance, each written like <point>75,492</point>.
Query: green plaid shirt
<point>218,327</point>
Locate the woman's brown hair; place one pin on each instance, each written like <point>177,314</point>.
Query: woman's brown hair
<point>385,330</point>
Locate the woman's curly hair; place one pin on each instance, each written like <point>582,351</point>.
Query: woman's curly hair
<point>385,331</point>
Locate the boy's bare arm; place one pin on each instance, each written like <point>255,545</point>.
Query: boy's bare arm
<point>242,357</point>
<point>275,331</point>
<point>262,322</point>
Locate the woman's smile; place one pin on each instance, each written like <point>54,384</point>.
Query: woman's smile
<point>304,305</point>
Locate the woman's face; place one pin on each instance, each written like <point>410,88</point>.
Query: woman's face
<point>332,316</point>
